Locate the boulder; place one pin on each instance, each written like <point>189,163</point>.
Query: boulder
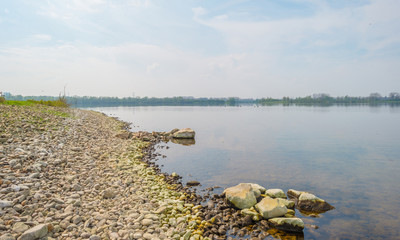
<point>241,196</point>
<point>258,189</point>
<point>288,203</point>
<point>270,208</point>
<point>186,133</point>
<point>310,202</point>
<point>36,232</point>
<point>294,193</point>
<point>275,193</point>
<point>287,224</point>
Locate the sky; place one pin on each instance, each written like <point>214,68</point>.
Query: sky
<point>200,48</point>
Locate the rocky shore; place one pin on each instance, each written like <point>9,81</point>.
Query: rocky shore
<point>76,174</point>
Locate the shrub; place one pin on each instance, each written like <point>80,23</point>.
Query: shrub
<point>2,99</point>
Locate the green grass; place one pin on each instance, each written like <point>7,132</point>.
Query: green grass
<point>56,103</point>
<point>17,103</point>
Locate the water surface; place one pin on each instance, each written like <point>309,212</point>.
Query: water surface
<point>349,156</point>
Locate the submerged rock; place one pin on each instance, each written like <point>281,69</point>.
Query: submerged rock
<point>287,224</point>
<point>270,208</point>
<point>186,133</point>
<point>241,196</point>
<point>192,183</point>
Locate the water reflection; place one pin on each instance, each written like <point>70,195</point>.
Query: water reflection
<point>185,142</point>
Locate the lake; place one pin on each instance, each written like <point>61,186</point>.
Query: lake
<point>349,156</point>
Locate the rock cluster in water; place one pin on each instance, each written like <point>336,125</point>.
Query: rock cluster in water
<point>272,205</point>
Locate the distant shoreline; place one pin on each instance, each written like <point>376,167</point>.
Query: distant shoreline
<point>375,99</point>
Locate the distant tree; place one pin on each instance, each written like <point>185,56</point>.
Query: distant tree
<point>394,96</point>
<point>375,96</point>
<point>231,101</point>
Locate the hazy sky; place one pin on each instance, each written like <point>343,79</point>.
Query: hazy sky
<point>202,48</point>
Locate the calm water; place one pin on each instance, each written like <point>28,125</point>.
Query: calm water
<point>349,156</point>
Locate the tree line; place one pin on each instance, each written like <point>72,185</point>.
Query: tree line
<point>315,99</point>
<point>326,99</point>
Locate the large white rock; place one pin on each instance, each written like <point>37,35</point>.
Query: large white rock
<point>275,193</point>
<point>184,133</point>
<point>241,196</point>
<point>36,232</point>
<point>287,224</point>
<point>270,208</point>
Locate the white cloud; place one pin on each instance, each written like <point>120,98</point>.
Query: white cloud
<point>153,67</point>
<point>198,11</point>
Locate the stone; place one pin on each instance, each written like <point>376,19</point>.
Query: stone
<point>270,208</point>
<point>275,193</point>
<point>293,193</point>
<point>109,193</point>
<point>34,175</point>
<point>311,203</point>
<point>192,183</point>
<point>7,236</point>
<point>95,237</point>
<point>148,236</point>
<point>174,175</point>
<point>160,210</point>
<point>20,227</point>
<point>250,212</point>
<point>241,196</point>
<point>184,133</point>
<point>77,219</point>
<point>36,232</point>
<point>258,188</point>
<point>288,203</point>
<point>287,224</point>
<point>5,204</point>
<point>147,222</point>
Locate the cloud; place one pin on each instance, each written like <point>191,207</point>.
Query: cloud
<point>152,67</point>
<point>198,11</point>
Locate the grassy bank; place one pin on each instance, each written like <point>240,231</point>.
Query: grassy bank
<point>61,102</point>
